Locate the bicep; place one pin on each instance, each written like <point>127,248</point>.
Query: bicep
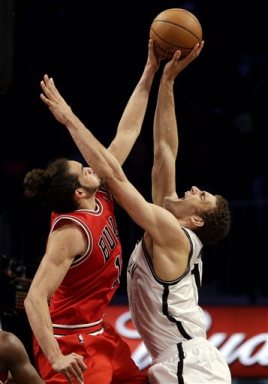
<point>62,247</point>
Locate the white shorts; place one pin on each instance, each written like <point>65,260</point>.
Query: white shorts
<point>194,361</point>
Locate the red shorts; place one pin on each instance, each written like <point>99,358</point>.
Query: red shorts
<point>107,356</point>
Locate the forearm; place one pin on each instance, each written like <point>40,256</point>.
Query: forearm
<point>132,119</point>
<point>165,123</point>
<point>134,112</point>
<point>95,154</point>
<point>40,322</point>
<point>82,137</point>
<point>165,143</point>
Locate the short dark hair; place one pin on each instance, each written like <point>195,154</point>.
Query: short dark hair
<point>55,186</point>
<point>217,222</point>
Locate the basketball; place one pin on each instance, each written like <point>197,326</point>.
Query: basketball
<point>174,29</point>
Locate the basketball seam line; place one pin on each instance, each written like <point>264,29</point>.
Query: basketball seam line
<point>176,25</point>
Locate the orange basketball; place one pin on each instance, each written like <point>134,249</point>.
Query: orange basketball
<point>174,29</point>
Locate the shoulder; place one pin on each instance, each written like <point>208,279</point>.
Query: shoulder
<point>68,233</point>
<point>9,343</point>
<point>192,237</point>
<point>70,221</point>
<point>6,338</point>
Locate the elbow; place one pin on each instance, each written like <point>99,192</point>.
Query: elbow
<point>29,303</point>
<point>160,147</point>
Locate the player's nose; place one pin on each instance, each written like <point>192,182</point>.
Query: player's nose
<point>195,190</point>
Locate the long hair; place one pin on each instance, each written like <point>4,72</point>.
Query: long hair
<point>55,186</point>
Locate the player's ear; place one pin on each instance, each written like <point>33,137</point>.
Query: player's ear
<point>79,193</point>
<point>197,221</point>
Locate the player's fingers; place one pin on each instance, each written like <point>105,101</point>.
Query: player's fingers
<point>73,376</point>
<point>54,88</point>
<point>53,91</point>
<point>68,377</point>
<point>45,78</point>
<point>194,52</point>
<point>44,98</point>
<point>176,55</point>
<point>76,372</point>
<point>49,90</point>
<point>80,362</point>
<point>45,88</point>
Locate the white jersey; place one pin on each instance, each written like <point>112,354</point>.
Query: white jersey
<point>165,312</point>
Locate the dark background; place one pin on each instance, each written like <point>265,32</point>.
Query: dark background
<point>96,51</point>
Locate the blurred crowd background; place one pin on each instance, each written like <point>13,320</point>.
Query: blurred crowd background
<point>96,51</point>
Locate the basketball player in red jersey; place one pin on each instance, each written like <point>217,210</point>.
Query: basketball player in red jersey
<point>165,268</point>
<point>14,360</point>
<point>81,268</point>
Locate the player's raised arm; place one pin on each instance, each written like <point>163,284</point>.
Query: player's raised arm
<point>132,119</point>
<point>166,138</point>
<point>107,167</point>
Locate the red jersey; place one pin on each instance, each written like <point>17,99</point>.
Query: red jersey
<point>91,281</point>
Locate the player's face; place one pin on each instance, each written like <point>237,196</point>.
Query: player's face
<point>86,176</point>
<point>193,200</point>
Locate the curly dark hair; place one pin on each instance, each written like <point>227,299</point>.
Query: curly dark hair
<point>55,186</point>
<point>217,222</point>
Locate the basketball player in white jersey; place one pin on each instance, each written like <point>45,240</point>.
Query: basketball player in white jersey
<point>165,268</point>
<point>163,282</point>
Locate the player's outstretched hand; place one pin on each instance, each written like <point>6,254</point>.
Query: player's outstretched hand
<point>53,99</point>
<point>176,64</point>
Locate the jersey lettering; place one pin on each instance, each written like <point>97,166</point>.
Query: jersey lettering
<point>107,241</point>
<point>104,248</point>
<point>114,227</point>
<point>109,237</point>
